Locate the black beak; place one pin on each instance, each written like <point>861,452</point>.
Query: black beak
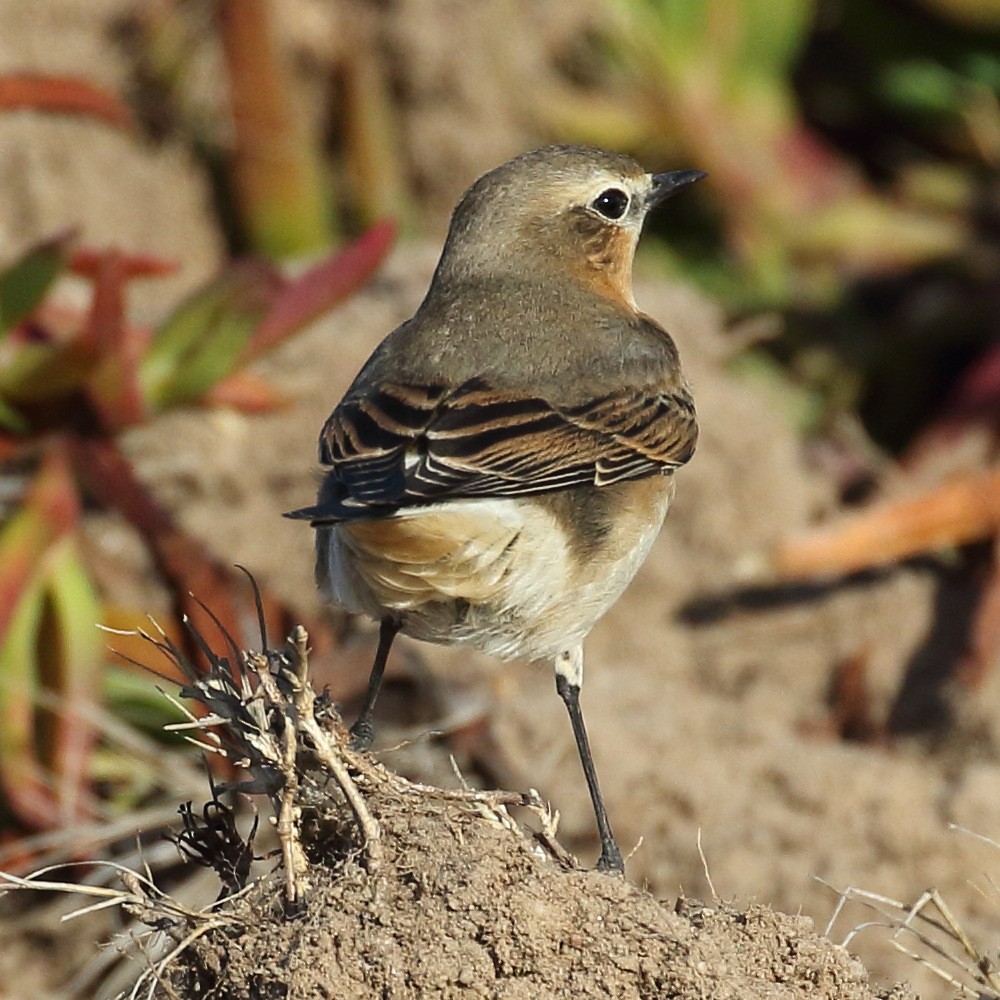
<point>664,185</point>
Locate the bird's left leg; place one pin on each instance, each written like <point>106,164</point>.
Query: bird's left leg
<point>362,732</point>
<point>569,680</point>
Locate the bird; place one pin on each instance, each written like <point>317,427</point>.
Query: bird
<point>499,468</point>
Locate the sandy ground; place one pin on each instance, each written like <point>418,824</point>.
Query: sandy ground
<point>458,903</point>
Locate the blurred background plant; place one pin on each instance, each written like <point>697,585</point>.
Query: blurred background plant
<point>72,381</point>
<point>849,228</point>
<point>69,385</point>
<point>853,149</point>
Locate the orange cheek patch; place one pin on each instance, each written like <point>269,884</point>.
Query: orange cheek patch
<point>606,267</point>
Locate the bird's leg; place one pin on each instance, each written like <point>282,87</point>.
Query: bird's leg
<point>569,680</point>
<point>362,732</point>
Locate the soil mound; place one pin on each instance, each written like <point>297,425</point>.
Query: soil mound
<point>392,889</point>
<point>462,905</point>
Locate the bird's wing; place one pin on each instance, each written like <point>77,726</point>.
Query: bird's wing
<point>402,445</point>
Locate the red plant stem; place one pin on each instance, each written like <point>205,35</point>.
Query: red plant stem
<point>276,170</point>
<point>63,94</point>
<point>962,511</point>
<point>54,508</point>
<point>321,288</point>
<point>113,388</point>
<point>88,261</point>
<point>109,478</point>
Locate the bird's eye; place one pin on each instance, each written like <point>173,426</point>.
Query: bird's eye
<point>612,203</point>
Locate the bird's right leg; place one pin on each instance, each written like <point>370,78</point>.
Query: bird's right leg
<point>569,680</point>
<point>363,732</point>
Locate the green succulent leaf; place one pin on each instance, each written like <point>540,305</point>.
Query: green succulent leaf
<point>23,285</point>
<point>11,420</point>
<point>19,682</point>
<point>134,699</point>
<point>201,343</point>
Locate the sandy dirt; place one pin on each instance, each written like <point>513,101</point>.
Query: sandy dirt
<point>461,906</point>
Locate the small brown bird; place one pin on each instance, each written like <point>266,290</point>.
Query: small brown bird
<point>498,470</point>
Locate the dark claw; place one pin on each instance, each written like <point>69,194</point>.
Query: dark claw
<point>362,735</point>
<point>611,859</point>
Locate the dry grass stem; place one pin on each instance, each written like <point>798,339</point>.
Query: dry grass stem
<point>166,919</point>
<point>956,513</point>
<point>937,934</point>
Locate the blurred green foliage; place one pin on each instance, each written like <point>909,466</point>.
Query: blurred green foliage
<point>853,151</point>
<point>23,285</point>
<point>853,148</point>
<point>70,382</point>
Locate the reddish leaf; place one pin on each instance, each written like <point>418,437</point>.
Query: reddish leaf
<point>961,511</point>
<point>63,94</point>
<point>247,393</point>
<point>321,288</point>
<point>113,387</point>
<point>87,262</point>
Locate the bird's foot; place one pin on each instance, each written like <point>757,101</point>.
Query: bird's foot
<point>362,735</point>
<point>611,859</point>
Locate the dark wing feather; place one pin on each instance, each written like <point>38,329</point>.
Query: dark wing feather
<point>402,445</point>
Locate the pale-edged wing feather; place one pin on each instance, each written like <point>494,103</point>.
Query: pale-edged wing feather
<point>399,446</point>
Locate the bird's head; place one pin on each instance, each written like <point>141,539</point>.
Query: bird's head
<point>566,211</point>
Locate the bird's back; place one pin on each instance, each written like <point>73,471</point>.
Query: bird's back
<point>565,344</point>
